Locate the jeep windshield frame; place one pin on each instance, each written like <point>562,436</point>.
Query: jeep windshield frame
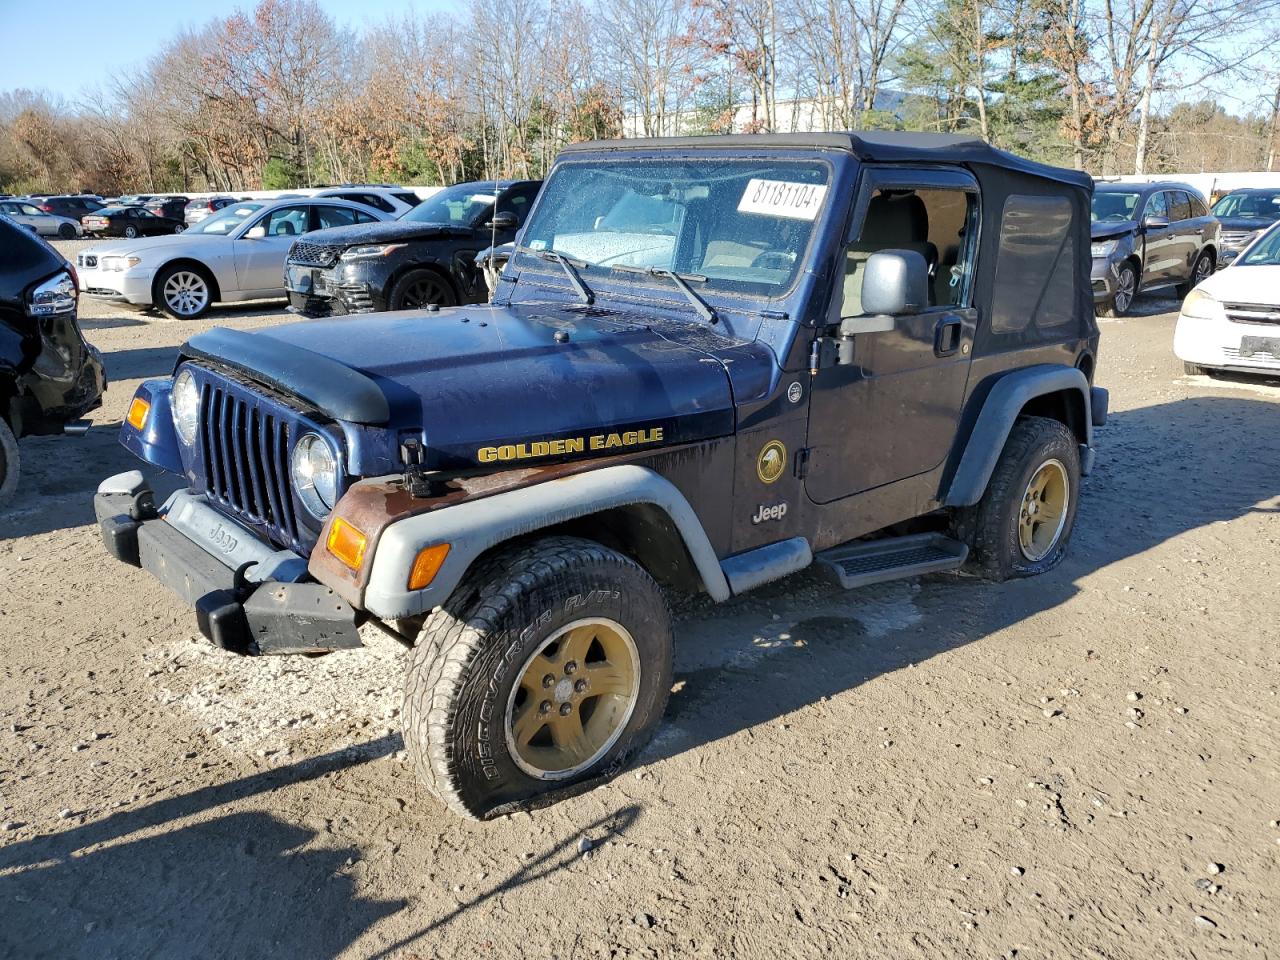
<point>710,217</point>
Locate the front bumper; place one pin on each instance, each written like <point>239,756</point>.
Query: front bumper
<point>1223,344</point>
<point>282,612</point>
<point>117,286</point>
<point>1102,277</point>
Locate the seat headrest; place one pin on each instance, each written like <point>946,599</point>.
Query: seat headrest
<point>895,219</point>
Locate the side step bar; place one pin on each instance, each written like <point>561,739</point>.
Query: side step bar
<point>875,561</point>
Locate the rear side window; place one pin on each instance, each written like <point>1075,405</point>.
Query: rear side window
<point>1198,209</point>
<point>1179,206</point>
<point>1035,267</point>
<point>412,199</point>
<point>327,216</point>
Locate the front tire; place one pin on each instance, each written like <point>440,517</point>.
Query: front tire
<point>1022,524</point>
<point>419,288</point>
<point>183,292</point>
<point>66,231</point>
<point>10,463</point>
<point>1126,290</point>
<point>546,671</point>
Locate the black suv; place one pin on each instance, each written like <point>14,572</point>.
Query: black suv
<point>710,363</point>
<point>49,376</point>
<point>1148,235</point>
<point>1243,215</point>
<point>70,206</point>
<point>425,257</point>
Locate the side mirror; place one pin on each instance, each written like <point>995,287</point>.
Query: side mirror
<point>895,282</point>
<point>255,233</point>
<point>503,221</point>
<point>1155,223</point>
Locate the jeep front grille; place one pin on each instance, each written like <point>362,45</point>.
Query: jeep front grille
<point>314,254</point>
<point>246,458</point>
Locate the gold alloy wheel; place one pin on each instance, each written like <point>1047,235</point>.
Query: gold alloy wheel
<point>574,698</point>
<point>1043,513</point>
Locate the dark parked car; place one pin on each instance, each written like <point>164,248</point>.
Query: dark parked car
<point>49,376</point>
<point>1243,215</point>
<point>200,208</point>
<point>427,256</point>
<point>1148,235</point>
<point>74,207</point>
<point>130,222</point>
<point>711,363</point>
<point>175,208</point>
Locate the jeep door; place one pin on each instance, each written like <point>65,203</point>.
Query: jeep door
<point>892,412</point>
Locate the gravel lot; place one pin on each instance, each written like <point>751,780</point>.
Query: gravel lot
<point>1078,766</point>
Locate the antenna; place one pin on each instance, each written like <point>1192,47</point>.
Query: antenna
<point>491,275</point>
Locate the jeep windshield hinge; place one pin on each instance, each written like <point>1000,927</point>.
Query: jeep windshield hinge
<point>826,352</point>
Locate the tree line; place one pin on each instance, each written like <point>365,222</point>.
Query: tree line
<point>282,96</point>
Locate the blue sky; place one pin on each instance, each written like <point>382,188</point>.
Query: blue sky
<point>65,46</point>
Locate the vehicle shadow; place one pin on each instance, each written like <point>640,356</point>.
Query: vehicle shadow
<point>139,364</point>
<point>239,884</point>
<point>1163,471</point>
<point>244,884</point>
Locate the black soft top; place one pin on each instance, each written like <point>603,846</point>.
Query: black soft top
<point>884,146</point>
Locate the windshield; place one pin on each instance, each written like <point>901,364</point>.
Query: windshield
<point>740,225</point>
<point>1112,206</point>
<point>225,220</point>
<point>467,205</point>
<point>1264,253</point>
<point>1254,206</point>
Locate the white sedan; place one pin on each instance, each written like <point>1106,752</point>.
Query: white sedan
<point>45,224</point>
<point>236,254</point>
<point>1231,321</point>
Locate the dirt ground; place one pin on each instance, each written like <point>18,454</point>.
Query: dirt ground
<point>1078,766</point>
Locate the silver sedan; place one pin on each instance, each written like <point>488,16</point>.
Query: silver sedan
<point>45,224</point>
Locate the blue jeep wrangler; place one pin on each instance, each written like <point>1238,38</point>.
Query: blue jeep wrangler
<point>710,363</point>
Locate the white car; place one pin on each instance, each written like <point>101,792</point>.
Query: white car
<point>1231,321</point>
<point>236,254</point>
<point>45,224</point>
<point>396,201</point>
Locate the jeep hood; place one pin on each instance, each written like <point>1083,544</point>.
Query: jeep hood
<point>492,385</point>
<point>1112,228</point>
<point>387,231</point>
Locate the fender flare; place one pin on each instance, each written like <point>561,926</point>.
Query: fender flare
<point>473,527</point>
<point>999,412</point>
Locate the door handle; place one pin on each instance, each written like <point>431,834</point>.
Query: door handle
<point>946,337</point>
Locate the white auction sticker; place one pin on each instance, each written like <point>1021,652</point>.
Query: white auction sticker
<point>781,198</point>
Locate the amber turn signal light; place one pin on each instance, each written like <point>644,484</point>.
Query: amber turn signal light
<point>346,543</point>
<point>427,565</point>
<point>138,411</point>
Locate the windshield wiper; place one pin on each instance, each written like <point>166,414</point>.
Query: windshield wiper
<point>704,310</point>
<point>570,267</point>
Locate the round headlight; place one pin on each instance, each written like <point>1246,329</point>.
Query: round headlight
<point>185,404</point>
<point>315,474</point>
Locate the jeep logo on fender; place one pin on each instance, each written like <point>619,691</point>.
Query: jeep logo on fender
<point>775,512</point>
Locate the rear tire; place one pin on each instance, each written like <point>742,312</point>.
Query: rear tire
<point>1022,524</point>
<point>66,231</point>
<point>130,232</point>
<point>544,673</point>
<point>418,288</point>
<point>1201,271</point>
<point>10,463</point>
